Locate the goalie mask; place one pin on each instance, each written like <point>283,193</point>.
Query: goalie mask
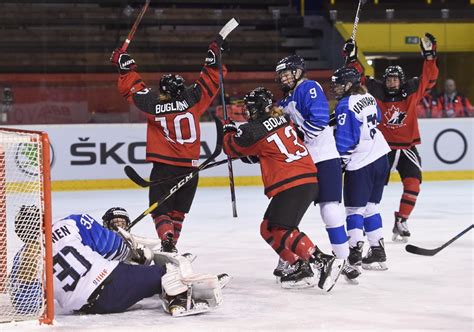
<point>343,81</point>
<point>116,217</point>
<point>28,223</point>
<point>289,71</point>
<point>393,87</point>
<point>172,85</point>
<point>258,103</point>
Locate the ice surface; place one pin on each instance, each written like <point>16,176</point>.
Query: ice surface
<point>416,293</point>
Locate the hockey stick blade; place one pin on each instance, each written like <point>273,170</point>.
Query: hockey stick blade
<point>228,28</point>
<point>138,180</point>
<point>217,151</point>
<point>431,252</point>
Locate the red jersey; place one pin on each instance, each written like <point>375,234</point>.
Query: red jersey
<point>173,130</point>
<point>284,160</point>
<point>399,123</point>
<point>456,106</point>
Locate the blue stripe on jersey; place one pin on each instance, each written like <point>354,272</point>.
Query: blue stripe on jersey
<point>347,128</point>
<point>337,235</point>
<point>373,223</point>
<point>100,239</point>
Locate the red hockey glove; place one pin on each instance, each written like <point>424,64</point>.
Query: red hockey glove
<point>213,52</point>
<point>428,46</point>
<point>349,50</point>
<point>123,61</point>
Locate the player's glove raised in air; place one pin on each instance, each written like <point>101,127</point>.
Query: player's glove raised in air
<point>349,50</point>
<point>213,52</point>
<point>428,46</point>
<point>123,61</point>
<point>229,126</point>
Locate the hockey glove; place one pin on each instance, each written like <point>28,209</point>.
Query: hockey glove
<point>213,52</point>
<point>229,127</point>
<point>142,255</point>
<point>349,51</point>
<point>123,61</point>
<point>250,159</point>
<point>428,46</point>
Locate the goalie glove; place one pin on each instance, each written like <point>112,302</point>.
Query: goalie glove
<point>123,61</point>
<point>138,253</point>
<point>428,46</point>
<point>349,51</point>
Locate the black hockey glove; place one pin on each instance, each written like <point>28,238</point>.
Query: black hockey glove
<point>428,46</point>
<point>349,51</point>
<point>142,255</point>
<point>213,52</point>
<point>123,61</point>
<point>250,159</point>
<point>229,127</point>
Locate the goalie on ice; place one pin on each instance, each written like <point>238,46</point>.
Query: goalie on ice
<point>92,276</point>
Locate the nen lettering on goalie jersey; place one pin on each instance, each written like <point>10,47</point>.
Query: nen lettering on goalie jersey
<point>358,140</point>
<point>84,255</point>
<point>308,108</point>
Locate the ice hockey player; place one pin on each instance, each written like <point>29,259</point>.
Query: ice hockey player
<point>398,97</point>
<point>90,275</point>
<point>363,151</point>
<point>306,104</point>
<point>173,133</point>
<point>117,219</point>
<point>289,177</point>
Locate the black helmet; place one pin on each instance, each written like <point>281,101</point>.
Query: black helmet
<point>28,223</point>
<point>393,71</point>
<point>257,102</point>
<point>342,76</point>
<point>293,63</point>
<point>113,213</point>
<point>172,85</point>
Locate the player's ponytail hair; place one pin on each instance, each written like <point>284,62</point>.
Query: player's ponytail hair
<point>276,111</point>
<point>358,90</point>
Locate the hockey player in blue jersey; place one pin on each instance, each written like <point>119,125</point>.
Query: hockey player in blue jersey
<point>363,151</point>
<point>91,276</point>
<point>306,104</point>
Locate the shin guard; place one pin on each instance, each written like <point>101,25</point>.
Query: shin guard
<point>177,218</point>
<point>164,226</point>
<point>411,189</point>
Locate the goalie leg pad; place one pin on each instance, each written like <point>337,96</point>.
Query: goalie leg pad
<point>205,287</point>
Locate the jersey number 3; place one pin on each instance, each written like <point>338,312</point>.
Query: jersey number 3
<point>70,260</point>
<point>290,157</point>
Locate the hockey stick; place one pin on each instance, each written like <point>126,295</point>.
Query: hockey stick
<point>138,180</point>
<point>187,178</point>
<point>231,25</point>
<point>356,20</point>
<point>135,26</point>
<point>431,252</point>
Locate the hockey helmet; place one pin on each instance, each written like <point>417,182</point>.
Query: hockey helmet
<point>172,85</point>
<point>116,216</point>
<point>341,77</point>
<point>27,223</point>
<point>393,71</point>
<point>291,63</point>
<point>258,102</point>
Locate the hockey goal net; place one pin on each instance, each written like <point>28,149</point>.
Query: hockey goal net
<point>26,290</point>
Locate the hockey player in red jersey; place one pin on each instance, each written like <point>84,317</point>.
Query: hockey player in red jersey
<point>173,133</point>
<point>289,177</point>
<point>397,98</point>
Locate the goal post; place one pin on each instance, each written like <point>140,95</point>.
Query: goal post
<point>26,265</point>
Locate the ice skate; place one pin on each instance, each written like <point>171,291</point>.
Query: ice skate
<point>224,279</point>
<point>329,269</point>
<point>400,229</point>
<point>300,277</point>
<point>282,268</point>
<point>375,259</point>
<point>351,274</point>
<point>355,254</point>
<point>190,257</point>
<point>167,244</point>
<point>183,305</point>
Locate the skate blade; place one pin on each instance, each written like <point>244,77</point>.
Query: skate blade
<point>224,279</point>
<point>334,274</point>
<point>179,311</point>
<point>301,284</point>
<point>351,281</point>
<point>376,266</point>
<point>277,280</point>
<point>399,239</point>
<point>190,257</point>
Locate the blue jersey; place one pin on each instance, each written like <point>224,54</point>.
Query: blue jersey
<point>358,140</point>
<point>308,108</point>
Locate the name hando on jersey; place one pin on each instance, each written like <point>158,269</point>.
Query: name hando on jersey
<point>272,123</point>
<point>364,102</point>
<point>176,106</point>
